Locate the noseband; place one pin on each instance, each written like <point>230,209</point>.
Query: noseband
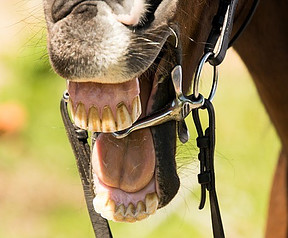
<point>214,53</point>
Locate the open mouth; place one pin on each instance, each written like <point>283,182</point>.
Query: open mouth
<point>125,171</point>
<point>117,74</point>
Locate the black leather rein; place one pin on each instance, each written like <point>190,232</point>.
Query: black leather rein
<point>78,140</point>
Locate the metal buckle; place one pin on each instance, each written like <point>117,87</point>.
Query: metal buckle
<point>218,40</point>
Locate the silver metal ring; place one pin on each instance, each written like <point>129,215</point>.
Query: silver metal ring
<point>66,96</point>
<point>214,84</point>
<point>198,72</point>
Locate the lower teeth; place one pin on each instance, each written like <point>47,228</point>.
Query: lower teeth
<point>107,208</point>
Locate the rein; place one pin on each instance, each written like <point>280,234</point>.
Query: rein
<point>78,140</point>
<point>214,53</point>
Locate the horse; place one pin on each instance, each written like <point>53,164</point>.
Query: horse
<point>117,58</point>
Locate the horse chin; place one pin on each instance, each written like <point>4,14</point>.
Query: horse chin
<point>136,175</point>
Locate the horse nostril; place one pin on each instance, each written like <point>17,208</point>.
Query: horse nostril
<point>62,8</point>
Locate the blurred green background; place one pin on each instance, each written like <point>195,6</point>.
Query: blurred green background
<point>40,191</point>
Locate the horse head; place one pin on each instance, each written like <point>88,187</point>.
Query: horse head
<point>117,58</point>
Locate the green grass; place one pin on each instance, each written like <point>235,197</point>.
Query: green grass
<point>40,191</point>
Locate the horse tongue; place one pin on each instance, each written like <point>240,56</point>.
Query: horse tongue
<point>128,163</point>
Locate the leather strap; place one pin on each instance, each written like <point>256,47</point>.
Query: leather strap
<point>221,29</point>
<point>78,140</point>
<point>218,26</point>
<point>206,144</point>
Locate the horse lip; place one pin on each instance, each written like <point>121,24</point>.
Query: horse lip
<point>167,180</point>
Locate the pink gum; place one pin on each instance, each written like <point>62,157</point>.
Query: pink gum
<point>101,95</point>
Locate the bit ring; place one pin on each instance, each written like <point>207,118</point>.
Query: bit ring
<point>198,72</point>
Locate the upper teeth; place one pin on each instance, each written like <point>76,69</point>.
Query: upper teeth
<point>94,122</point>
<point>108,209</point>
<point>106,123</point>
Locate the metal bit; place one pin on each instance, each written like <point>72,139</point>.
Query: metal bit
<point>177,110</point>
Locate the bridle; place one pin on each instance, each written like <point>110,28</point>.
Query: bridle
<point>215,50</point>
